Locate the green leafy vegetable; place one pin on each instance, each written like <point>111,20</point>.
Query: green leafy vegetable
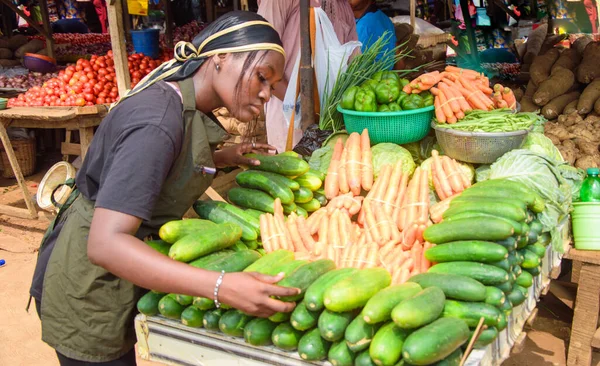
<point>539,143</point>
<point>320,159</point>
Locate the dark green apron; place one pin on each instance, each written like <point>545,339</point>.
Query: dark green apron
<point>87,312</point>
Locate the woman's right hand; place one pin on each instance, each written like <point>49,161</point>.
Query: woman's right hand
<point>251,293</point>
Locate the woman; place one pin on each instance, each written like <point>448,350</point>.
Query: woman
<point>151,158</point>
<point>372,23</point>
<point>285,17</point>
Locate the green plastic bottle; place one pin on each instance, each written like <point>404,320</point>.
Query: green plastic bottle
<point>590,188</point>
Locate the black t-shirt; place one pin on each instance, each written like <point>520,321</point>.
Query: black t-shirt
<point>129,158</point>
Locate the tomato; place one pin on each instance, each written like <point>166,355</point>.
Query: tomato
<point>113,94</point>
<point>80,102</point>
<point>152,64</point>
<point>102,95</point>
<point>110,62</point>
<point>87,69</point>
<point>136,75</point>
<point>84,79</point>
<point>100,100</point>
<point>89,97</point>
<point>78,67</point>
<point>109,77</point>
<point>110,69</point>
<point>109,53</point>
<point>102,72</point>
<point>108,100</point>
<point>96,67</point>
<point>97,88</point>
<point>70,70</point>
<point>78,88</point>
<point>63,97</point>
<point>89,90</point>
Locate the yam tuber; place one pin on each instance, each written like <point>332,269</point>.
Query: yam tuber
<point>588,161</point>
<point>588,70</point>
<point>569,155</point>
<point>542,66</point>
<point>558,104</point>
<point>597,106</point>
<point>571,107</point>
<point>555,140</point>
<point>526,101</point>
<point>581,43</point>
<point>557,84</point>
<point>569,59</point>
<point>587,147</point>
<point>590,95</point>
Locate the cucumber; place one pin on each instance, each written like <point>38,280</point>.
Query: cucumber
<point>487,336</point>
<point>240,213</point>
<point>333,325</point>
<point>313,297</point>
<point>261,251</point>
<point>286,338</point>
<point>287,268</point>
<point>184,300</point>
<point>310,206</point>
<point>506,306</point>
<point>474,250</point>
<point>509,243</point>
<point>255,180</point>
<point>312,347</point>
<point>511,277</point>
<point>386,347</point>
<point>309,181</point>
<point>505,287</point>
<point>525,279</point>
<point>172,231</point>
<point>482,199</point>
<point>288,209</point>
<point>516,270</point>
<point>516,296</point>
<point>538,249</point>
<point>354,292</point>
<point>280,317</point>
<point>266,263</point>
<point>340,355</point>
<point>290,183</point>
<point>517,226</point>
<point>304,276</point>
<point>506,188</point>
<point>485,273</point>
<point>503,321</point>
<point>321,198</point>
<point>212,259</point>
<point>251,198</point>
<point>160,246</point>
<point>239,246</point>
<point>319,175</point>
<point>520,258</point>
<point>301,212</point>
<point>544,239</point>
<point>536,226</point>
<point>532,238</point>
<point>435,341</point>
<point>513,259</point>
<point>359,334</point>
<point>302,318</point>
<point>280,164</point>
<point>452,360</point>
<point>148,304</point>
<point>291,153</point>
<point>364,359</point>
<point>253,244</point>
<point>211,319</point>
<point>303,195</point>
<point>495,208</point>
<point>215,213</point>
<point>504,264</point>
<point>258,332</point>
<point>494,296</point>
<point>232,323</point>
<point>454,286</point>
<point>530,259</point>
<point>202,243</point>
<point>468,229</point>
<point>379,307</point>
<point>170,308</point>
<point>254,213</point>
<point>236,262</point>
<point>533,271</point>
<point>419,310</point>
<point>471,312</point>
<point>192,317</point>
<point>522,241</point>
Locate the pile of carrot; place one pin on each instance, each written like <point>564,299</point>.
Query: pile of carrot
<point>448,179</point>
<point>291,234</point>
<point>458,91</point>
<point>351,168</point>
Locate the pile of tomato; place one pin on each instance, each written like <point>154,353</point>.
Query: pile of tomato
<point>85,83</point>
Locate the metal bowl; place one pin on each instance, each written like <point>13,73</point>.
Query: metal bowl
<point>478,147</point>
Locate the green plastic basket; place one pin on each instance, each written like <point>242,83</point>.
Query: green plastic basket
<point>399,127</point>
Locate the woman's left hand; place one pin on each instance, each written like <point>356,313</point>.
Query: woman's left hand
<point>234,155</point>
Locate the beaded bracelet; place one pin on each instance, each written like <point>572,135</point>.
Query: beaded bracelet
<point>216,292</point>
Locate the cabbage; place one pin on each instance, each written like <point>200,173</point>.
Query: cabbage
<point>574,177</point>
<point>540,144</point>
<point>466,168</point>
<point>421,150</point>
<point>389,154</point>
<point>320,159</point>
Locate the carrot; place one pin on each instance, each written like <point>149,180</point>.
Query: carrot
<point>278,209</point>
<point>346,230</point>
<point>333,233</point>
<point>372,261</point>
<point>332,186</point>
<point>273,239</point>
<point>356,205</point>
<point>438,186</point>
<point>485,89</point>
<point>332,254</point>
<point>444,105</point>
<point>388,247</point>
<point>354,161</point>
<point>351,262</point>
<point>417,252</point>
<point>307,239</point>
<point>396,275</point>
<point>443,179</point>
<point>372,227</point>
<point>264,232</point>
<point>343,170</point>
<point>408,264</point>
<point>425,264</point>
<point>413,197</point>
<point>292,224</point>
<point>407,89</point>
<point>451,98</point>
<point>472,98</point>
<point>398,203</point>
<point>313,221</point>
<point>286,239</point>
<point>367,164</point>
<point>466,182</point>
<point>392,190</point>
<point>420,231</point>
<point>382,223</point>
<point>424,197</point>
<point>324,230</point>
<point>462,102</point>
<point>502,104</point>
<point>452,174</point>
<point>369,197</point>
<point>498,88</point>
<point>361,257</point>
<point>509,97</point>
<point>384,176</point>
<point>410,236</point>
<point>462,72</point>
<point>404,276</point>
<point>439,114</point>
<point>459,115</point>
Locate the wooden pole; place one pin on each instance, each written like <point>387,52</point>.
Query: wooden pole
<point>168,24</point>
<point>306,69</point>
<point>413,11</point>
<point>127,23</point>
<point>464,6</point>
<point>117,40</point>
<point>47,27</point>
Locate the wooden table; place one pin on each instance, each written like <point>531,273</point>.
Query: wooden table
<point>82,119</point>
<point>585,333</point>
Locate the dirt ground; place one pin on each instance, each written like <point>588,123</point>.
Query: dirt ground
<point>20,339</point>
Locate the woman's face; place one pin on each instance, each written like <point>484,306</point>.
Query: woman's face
<point>245,88</point>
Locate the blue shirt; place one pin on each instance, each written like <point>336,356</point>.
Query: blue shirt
<point>371,26</point>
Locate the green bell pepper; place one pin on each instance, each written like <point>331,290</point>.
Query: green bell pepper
<point>391,76</point>
<point>394,107</point>
<point>365,100</point>
<point>401,97</point>
<point>377,76</point>
<point>413,101</point>
<point>387,91</point>
<point>348,97</point>
<point>369,84</point>
<point>383,108</point>
<point>427,98</point>
<point>404,82</point>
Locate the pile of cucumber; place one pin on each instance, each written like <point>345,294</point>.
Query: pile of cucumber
<point>285,176</point>
<point>489,248</point>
